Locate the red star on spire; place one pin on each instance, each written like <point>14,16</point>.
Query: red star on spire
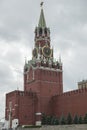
<point>41,4</point>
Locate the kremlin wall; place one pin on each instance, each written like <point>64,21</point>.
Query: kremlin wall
<point>73,102</point>
<point>43,86</point>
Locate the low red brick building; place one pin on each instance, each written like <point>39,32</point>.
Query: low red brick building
<point>43,86</point>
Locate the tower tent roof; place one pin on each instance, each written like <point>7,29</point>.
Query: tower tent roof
<point>42,22</point>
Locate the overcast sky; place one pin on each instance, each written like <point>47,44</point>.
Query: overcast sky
<point>67,20</point>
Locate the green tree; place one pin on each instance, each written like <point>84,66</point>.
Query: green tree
<point>85,118</point>
<point>80,120</point>
<point>69,119</point>
<point>62,120</point>
<point>48,120</point>
<point>44,119</point>
<point>76,120</point>
<point>54,120</point>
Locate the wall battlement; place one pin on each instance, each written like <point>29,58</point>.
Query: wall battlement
<point>73,102</point>
<point>22,93</point>
<point>73,92</point>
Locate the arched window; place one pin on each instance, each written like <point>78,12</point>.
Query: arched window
<point>45,31</point>
<point>40,31</point>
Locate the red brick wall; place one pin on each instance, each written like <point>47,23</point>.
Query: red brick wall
<point>26,109</point>
<point>46,83</point>
<point>10,97</point>
<point>74,102</point>
<point>49,77</point>
<point>23,106</point>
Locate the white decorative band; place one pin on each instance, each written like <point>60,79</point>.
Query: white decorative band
<point>38,113</point>
<point>38,123</point>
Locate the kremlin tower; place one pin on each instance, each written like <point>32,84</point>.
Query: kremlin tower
<point>42,69</point>
<point>42,80</point>
<point>42,74</point>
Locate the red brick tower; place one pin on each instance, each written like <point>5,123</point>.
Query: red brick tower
<point>42,81</point>
<point>42,74</point>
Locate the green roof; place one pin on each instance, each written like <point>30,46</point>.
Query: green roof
<point>42,22</point>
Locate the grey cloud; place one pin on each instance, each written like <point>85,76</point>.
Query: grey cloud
<point>16,20</point>
<point>5,74</point>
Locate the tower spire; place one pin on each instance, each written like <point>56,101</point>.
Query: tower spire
<point>42,22</point>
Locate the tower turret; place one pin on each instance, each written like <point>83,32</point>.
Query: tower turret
<point>42,32</point>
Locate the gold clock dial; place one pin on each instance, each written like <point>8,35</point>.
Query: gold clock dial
<point>46,51</point>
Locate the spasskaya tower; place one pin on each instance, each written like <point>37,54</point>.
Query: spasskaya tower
<point>42,74</point>
<point>42,81</point>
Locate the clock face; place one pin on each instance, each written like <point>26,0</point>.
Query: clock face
<point>35,52</point>
<point>46,51</point>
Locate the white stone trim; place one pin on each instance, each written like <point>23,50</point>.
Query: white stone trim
<point>38,123</point>
<point>38,113</point>
<point>43,81</point>
<point>44,68</point>
<point>50,69</point>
